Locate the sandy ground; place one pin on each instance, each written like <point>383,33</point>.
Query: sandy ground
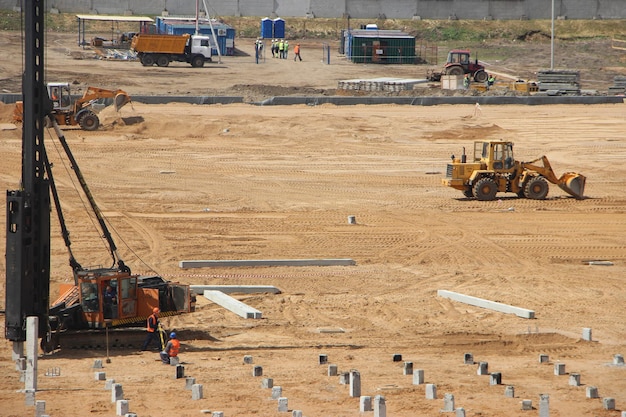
<point>248,182</point>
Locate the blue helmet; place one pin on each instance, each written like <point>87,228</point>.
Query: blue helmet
<point>172,335</point>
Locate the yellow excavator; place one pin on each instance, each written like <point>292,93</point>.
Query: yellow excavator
<point>494,170</point>
<point>83,111</point>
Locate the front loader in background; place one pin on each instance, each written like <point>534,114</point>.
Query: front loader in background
<point>494,170</point>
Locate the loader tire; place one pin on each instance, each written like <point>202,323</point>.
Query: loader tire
<point>536,188</point>
<point>467,192</point>
<point>485,189</point>
<point>89,121</point>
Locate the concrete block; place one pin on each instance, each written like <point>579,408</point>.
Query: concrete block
<point>623,414</point>
<point>196,392</point>
<point>574,379</point>
<point>257,371</point>
<point>121,407</point>
<point>29,397</point>
<point>527,405</point>
<point>355,383</point>
<point>117,393</point>
<point>296,413</point>
<point>544,405</point>
<point>40,408</point>
<point>397,357</point>
<point>587,334</point>
<point>592,392</point>
<point>344,378</point>
<point>483,368</point>
<point>559,369</point>
<point>180,371</point>
<point>189,383</point>
<point>323,359</point>
<point>468,359</point>
<point>109,384</point>
<point>618,359</point>
<point>247,359</point>
<point>408,368</point>
<point>97,364</point>
<point>217,414</point>
<point>130,415</point>
<point>380,407</point>
<point>365,403</point>
<point>277,392</point>
<point>267,383</point>
<point>608,403</point>
<point>509,391</point>
<point>491,305</point>
<point>543,358</point>
<point>174,360</point>
<point>100,376</point>
<point>495,378</point>
<point>332,370</point>
<point>448,403</point>
<point>460,412</point>
<point>418,376</point>
<point>431,392</point>
<point>283,405</point>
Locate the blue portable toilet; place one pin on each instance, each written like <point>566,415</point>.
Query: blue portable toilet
<point>266,28</point>
<point>279,28</point>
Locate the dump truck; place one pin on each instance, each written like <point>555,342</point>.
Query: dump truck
<point>163,49</point>
<point>81,112</point>
<point>494,170</point>
<point>459,63</point>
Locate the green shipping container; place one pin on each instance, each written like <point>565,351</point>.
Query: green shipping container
<point>380,47</point>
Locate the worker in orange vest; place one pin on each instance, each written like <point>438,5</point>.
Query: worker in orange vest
<point>296,51</point>
<point>152,327</point>
<point>171,349</point>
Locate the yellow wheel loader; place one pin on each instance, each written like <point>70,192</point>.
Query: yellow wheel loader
<point>494,170</point>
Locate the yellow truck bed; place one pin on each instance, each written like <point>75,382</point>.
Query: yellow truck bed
<point>165,44</point>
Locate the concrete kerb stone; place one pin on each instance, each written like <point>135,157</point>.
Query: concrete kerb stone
<point>418,376</point>
<point>332,370</point>
<point>277,392</point>
<point>527,405</point>
<point>189,383</point>
<point>608,403</point>
<point>97,364</point>
<point>544,405</point>
<point>618,360</point>
<point>380,407</point>
<point>495,378</point>
<point>117,393</point>
<point>296,413</point>
<point>109,384</point>
<point>40,408</point>
<point>574,379</point>
<point>468,359</point>
<point>483,368</point>
<point>431,392</point>
<point>407,369</point>
<point>460,412</point>
<point>283,404</point>
<point>559,369</point>
<point>257,371</point>
<point>355,383</point>
<point>448,403</point>
<point>267,383</point>
<point>587,334</point>
<point>365,403</point>
<point>591,392</point>
<point>543,358</point>
<point>509,391</point>
<point>196,392</point>
<point>100,376</point>
<point>247,359</point>
<point>323,359</point>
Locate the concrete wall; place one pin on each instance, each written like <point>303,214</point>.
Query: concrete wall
<point>357,9</point>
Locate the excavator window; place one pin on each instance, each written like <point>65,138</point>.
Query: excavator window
<point>90,301</point>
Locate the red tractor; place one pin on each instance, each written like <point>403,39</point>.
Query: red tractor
<point>459,63</point>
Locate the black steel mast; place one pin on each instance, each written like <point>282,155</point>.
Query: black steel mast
<point>28,209</point>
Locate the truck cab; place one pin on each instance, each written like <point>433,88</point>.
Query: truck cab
<point>199,45</point>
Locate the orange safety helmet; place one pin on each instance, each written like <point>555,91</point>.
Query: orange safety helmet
<point>155,310</point>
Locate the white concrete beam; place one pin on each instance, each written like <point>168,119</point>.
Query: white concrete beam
<point>264,262</point>
<point>230,289</point>
<point>233,305</point>
<point>491,305</point>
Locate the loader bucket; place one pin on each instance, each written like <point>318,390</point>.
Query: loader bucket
<point>121,99</point>
<point>573,184</point>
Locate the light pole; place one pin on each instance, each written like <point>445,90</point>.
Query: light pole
<point>552,40</point>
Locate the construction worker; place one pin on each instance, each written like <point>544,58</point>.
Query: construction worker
<point>466,81</point>
<point>490,81</point>
<point>171,349</point>
<point>296,51</point>
<point>281,49</point>
<point>286,49</point>
<point>152,328</point>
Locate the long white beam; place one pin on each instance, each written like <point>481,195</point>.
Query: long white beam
<point>264,262</point>
<point>491,305</point>
<point>229,289</point>
<point>232,304</point>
